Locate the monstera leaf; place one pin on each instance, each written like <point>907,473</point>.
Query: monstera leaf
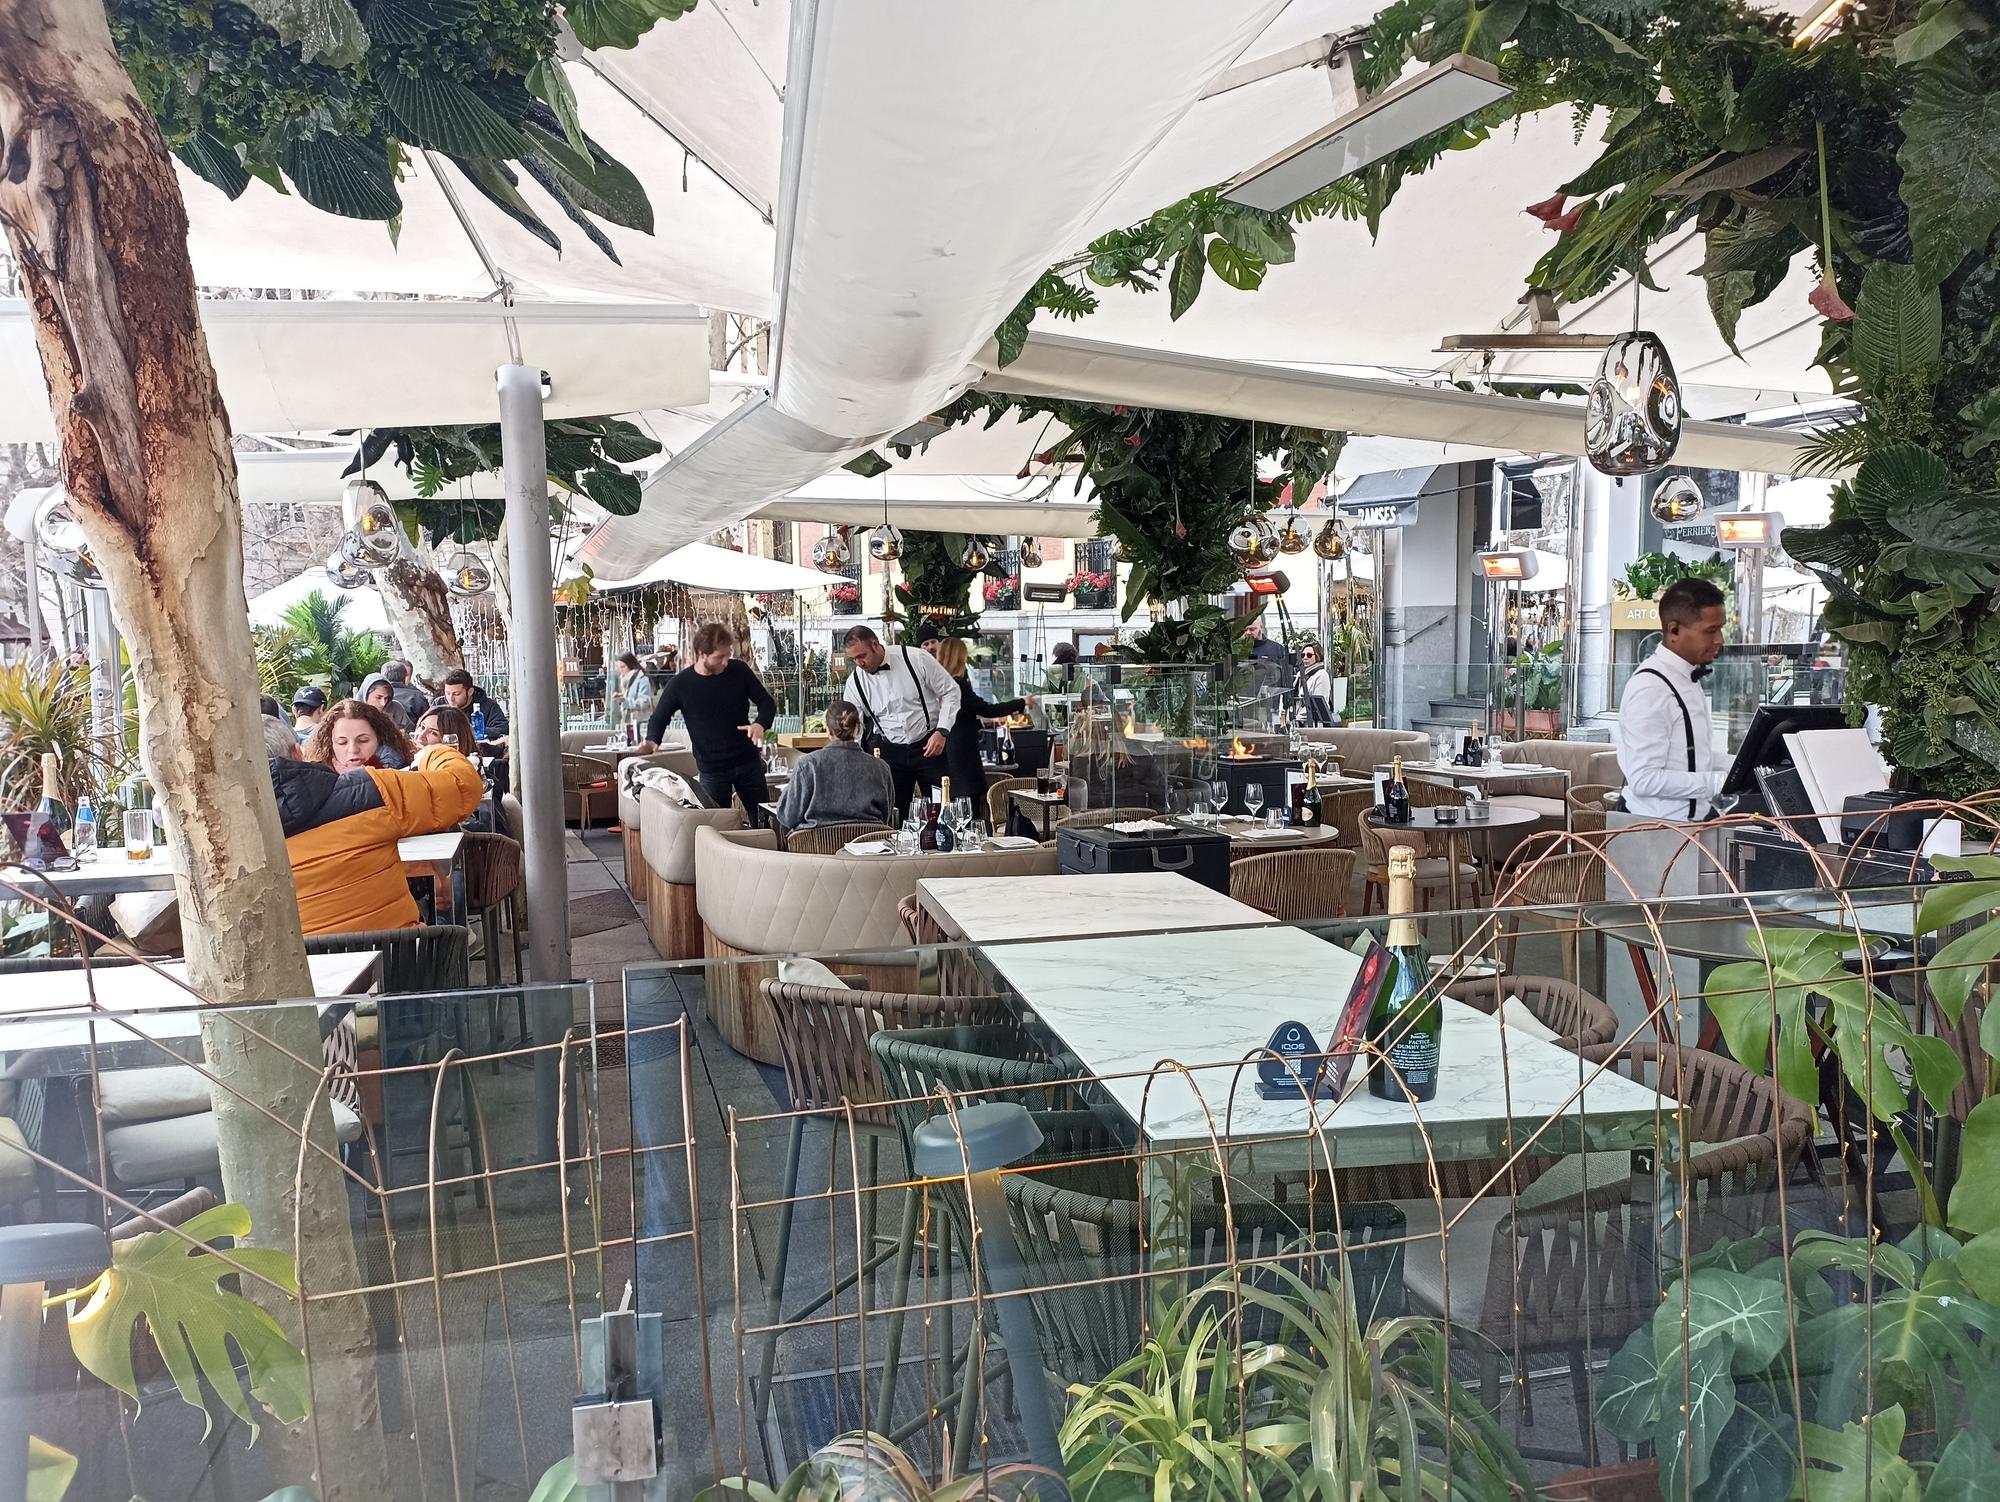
<point>175,1290</point>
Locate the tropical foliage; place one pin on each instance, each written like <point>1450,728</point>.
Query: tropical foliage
<point>333,97</point>
<point>1649,573</point>
<point>330,650</point>
<point>45,707</point>
<point>860,1466</point>
<point>1873,149</point>
<point>585,455</point>
<point>1325,1408</point>
<point>935,585</point>
<point>1170,487</point>
<point>1741,1383</point>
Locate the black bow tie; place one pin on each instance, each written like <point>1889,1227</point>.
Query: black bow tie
<point>882,669</point>
<point>1700,673</point>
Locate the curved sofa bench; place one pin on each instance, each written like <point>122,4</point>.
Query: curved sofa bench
<point>665,869</point>
<point>756,900</point>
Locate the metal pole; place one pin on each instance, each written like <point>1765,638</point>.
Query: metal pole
<point>34,594</point>
<point>534,742</point>
<point>106,695</point>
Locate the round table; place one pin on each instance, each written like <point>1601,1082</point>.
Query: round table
<point>1425,821</point>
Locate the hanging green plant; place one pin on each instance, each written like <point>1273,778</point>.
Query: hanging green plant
<point>332,97</point>
<point>935,586</point>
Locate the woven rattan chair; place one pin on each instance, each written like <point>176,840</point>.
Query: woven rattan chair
<point>1577,1018</point>
<point>827,839</point>
<point>917,921</point>
<point>1587,806</point>
<point>1569,1267</point>
<point>1541,890</point>
<point>999,800</point>
<point>1434,872</point>
<point>1343,811</point>
<point>824,1035</point>
<point>1295,886</point>
<point>1097,818</point>
<point>492,865</point>
<point>591,783</point>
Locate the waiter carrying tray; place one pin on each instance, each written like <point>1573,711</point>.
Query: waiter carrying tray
<point>906,700</point>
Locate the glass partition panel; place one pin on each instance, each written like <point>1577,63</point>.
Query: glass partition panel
<point>442,1171</point>
<point>1587,1172</point>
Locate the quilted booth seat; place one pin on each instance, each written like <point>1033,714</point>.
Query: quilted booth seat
<point>1362,748</point>
<point>664,870</point>
<point>757,900</point>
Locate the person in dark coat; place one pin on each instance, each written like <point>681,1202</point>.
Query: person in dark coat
<point>961,746</point>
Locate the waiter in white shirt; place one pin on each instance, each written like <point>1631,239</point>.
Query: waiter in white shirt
<point>1666,743</point>
<point>907,701</point>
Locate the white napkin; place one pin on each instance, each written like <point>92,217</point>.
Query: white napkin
<point>1011,842</point>
<point>876,846</point>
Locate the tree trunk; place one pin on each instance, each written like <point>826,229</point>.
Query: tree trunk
<point>94,216</point>
<point>419,608</point>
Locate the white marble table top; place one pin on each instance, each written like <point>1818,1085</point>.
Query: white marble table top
<point>994,909</point>
<point>422,849</point>
<point>1124,1005</point>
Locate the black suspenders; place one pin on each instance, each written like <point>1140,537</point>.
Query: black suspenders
<point>1687,725</point>
<point>930,723</point>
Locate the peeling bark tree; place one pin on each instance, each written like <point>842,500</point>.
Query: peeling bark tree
<point>419,607</point>
<point>94,217</point>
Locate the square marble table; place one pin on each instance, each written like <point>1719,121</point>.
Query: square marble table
<point>997,909</point>
<point>1124,1005</point>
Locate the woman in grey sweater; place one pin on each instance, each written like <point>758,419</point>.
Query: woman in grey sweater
<point>841,782</point>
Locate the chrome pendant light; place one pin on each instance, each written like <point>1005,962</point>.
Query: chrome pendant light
<point>1031,552</point>
<point>833,552</point>
<point>344,573</point>
<point>1253,542</point>
<point>1329,544</point>
<point>371,520</point>
<point>58,531</point>
<point>1677,499</point>
<point>1294,532</point>
<point>465,576</point>
<point>885,543</point>
<point>1632,422</point>
<point>976,554</point>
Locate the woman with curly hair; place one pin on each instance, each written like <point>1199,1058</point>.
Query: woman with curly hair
<point>355,735</point>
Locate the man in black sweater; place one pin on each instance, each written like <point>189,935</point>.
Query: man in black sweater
<point>717,697</point>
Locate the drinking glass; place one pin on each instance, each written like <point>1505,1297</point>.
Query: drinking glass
<point>1253,798</point>
<point>1440,750</point>
<point>1218,791</point>
<point>138,834</point>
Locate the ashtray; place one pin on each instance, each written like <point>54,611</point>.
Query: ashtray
<point>1447,815</point>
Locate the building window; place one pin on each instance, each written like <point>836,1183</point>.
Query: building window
<point>1094,556</point>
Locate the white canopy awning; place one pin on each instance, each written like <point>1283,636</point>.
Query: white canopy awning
<point>705,567</point>
<point>364,610</point>
<point>289,367</point>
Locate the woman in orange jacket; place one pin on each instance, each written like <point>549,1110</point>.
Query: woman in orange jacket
<point>341,831</point>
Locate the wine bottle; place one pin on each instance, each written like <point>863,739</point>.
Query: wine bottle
<point>43,847</point>
<point>946,841</point>
<point>1408,1021</point>
<point>1396,797</point>
<point>1306,799</point>
<point>927,835</point>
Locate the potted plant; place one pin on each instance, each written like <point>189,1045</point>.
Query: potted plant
<point>1091,590</point>
<point>1533,681</point>
<point>846,597</point>
<point>1347,646</point>
<point>1003,594</point>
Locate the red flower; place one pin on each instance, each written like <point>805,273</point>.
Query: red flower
<point>1827,301</point>
<point>1563,223</point>
<point>1021,473</point>
<point>1118,409</point>
<point>1133,440</point>
<point>1548,209</point>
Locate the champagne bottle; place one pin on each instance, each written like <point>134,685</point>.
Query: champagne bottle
<point>1396,797</point>
<point>1306,799</point>
<point>1475,748</point>
<point>52,806</point>
<point>42,849</point>
<point>946,840</point>
<point>1408,1020</point>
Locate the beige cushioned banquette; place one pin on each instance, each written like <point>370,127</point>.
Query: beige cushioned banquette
<point>1585,761</point>
<point>674,759</point>
<point>755,899</point>
<point>665,869</point>
<point>1362,748</point>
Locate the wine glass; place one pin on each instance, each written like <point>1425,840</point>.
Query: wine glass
<point>1218,792</point>
<point>1253,798</point>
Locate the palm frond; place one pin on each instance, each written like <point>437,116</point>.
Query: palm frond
<point>1837,449</point>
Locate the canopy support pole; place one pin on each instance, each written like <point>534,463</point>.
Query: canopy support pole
<point>535,742</point>
<point>106,688</point>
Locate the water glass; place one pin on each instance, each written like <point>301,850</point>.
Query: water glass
<point>138,834</point>
<point>1218,792</point>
